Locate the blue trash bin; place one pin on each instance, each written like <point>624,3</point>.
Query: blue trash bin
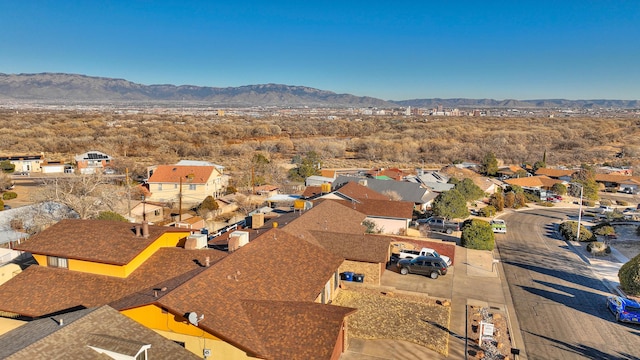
<point>358,278</point>
<point>347,276</point>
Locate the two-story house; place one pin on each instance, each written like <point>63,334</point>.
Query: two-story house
<point>192,184</point>
<point>92,162</point>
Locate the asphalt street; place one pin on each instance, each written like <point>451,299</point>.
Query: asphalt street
<point>559,300</point>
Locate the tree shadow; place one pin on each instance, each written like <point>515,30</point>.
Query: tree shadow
<point>585,351</point>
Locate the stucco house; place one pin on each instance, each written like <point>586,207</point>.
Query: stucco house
<point>193,183</point>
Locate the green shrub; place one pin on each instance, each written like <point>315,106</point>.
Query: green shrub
<point>477,234</point>
<point>546,203</point>
<point>603,229</point>
<point>487,211</point>
<point>629,275</point>
<point>569,229</point>
<point>9,195</point>
<point>1,205</point>
<point>598,248</point>
<point>622,203</point>
<point>590,203</point>
<point>606,202</point>
<point>110,215</point>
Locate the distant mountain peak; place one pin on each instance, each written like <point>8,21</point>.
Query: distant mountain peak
<point>77,88</point>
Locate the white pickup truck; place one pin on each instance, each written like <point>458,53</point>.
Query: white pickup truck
<point>410,254</point>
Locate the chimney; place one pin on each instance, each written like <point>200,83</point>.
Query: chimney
<point>138,231</point>
<point>145,229</point>
<point>207,261</point>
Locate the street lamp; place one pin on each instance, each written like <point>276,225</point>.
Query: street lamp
<point>580,209</point>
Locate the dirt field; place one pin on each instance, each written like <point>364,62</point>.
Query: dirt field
<point>415,319</point>
<point>24,189</point>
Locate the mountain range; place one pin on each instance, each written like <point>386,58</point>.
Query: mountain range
<point>82,89</point>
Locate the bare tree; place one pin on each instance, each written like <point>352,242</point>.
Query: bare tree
<point>5,181</point>
<point>85,194</point>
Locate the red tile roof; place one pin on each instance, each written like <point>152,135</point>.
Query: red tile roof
<point>189,174</point>
<point>81,239</point>
<point>247,292</point>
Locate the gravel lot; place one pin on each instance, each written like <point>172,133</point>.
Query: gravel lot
<point>420,320</point>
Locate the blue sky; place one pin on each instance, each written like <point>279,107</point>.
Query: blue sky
<point>393,50</point>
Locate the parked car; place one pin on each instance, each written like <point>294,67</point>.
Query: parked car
<point>499,226</point>
<point>605,209</point>
<point>423,265</point>
<point>624,309</point>
<point>6,207</point>
<point>410,254</point>
<point>440,224</point>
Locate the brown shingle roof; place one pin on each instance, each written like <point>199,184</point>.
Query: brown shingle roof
<point>534,181</point>
<point>52,290</point>
<point>285,336</point>
<point>360,247</point>
<point>188,173</point>
<point>554,173</point>
<point>353,190</point>
<point>383,208</point>
<point>276,267</point>
<point>102,326</point>
<point>101,241</point>
<point>327,215</point>
<point>611,178</point>
<point>311,191</point>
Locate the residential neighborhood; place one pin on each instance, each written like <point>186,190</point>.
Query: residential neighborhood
<point>287,280</point>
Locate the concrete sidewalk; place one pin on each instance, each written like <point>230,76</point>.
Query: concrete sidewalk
<point>604,267</point>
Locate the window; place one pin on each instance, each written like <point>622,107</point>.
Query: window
<point>54,261</point>
<point>175,186</point>
<point>159,187</point>
<point>156,213</point>
<point>192,186</point>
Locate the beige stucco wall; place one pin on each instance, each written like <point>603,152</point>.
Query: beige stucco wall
<point>7,325</point>
<point>8,271</point>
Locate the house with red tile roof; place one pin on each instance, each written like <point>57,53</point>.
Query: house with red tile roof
<point>192,183</point>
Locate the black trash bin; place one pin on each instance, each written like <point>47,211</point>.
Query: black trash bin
<point>358,278</point>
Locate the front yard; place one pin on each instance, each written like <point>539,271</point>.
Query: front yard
<point>420,320</point>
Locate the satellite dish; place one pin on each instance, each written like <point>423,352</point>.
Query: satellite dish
<point>194,319</point>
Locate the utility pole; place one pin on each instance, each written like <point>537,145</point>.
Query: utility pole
<point>126,178</point>
<point>180,201</point>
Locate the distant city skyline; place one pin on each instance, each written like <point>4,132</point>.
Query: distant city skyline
<point>401,50</point>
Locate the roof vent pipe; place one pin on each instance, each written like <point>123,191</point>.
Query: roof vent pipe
<point>138,231</point>
<point>145,229</point>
